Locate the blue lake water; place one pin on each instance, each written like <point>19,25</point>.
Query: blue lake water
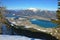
<point>43,23</point>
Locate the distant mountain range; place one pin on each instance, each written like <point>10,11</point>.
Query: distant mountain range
<point>32,12</point>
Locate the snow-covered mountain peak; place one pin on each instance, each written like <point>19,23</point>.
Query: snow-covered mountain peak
<point>33,9</point>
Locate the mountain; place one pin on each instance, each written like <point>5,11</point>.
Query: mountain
<point>33,9</point>
<point>32,12</point>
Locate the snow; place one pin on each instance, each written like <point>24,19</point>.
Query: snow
<point>34,19</point>
<point>33,9</point>
<point>12,37</point>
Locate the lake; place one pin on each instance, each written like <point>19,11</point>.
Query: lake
<point>43,23</point>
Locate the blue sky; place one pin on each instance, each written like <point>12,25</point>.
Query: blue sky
<point>24,4</point>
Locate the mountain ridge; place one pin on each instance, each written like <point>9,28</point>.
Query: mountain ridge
<point>37,12</point>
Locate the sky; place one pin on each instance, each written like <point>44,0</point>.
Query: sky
<point>24,4</point>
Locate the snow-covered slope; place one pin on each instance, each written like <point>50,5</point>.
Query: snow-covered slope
<point>10,37</point>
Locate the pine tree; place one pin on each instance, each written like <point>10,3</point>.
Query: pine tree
<point>3,20</point>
